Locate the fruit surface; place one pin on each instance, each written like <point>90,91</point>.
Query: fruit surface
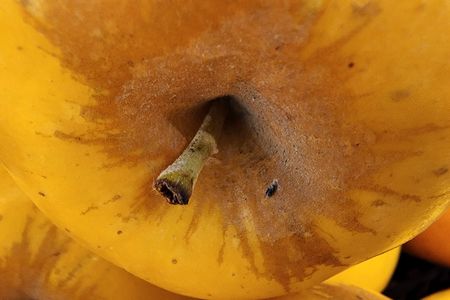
<point>373,274</point>
<point>39,261</point>
<point>344,103</point>
<point>443,295</point>
<point>434,243</point>
<point>335,291</point>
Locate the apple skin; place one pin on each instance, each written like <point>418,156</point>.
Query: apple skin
<point>345,103</point>
<point>442,295</point>
<point>39,261</point>
<point>434,243</point>
<point>373,274</point>
<point>334,291</point>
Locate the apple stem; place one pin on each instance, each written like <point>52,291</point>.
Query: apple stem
<point>177,181</point>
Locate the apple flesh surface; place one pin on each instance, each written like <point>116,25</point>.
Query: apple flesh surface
<point>345,104</point>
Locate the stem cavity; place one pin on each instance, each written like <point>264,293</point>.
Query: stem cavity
<point>177,181</point>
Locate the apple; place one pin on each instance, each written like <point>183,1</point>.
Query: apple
<point>39,261</point>
<point>442,295</point>
<point>338,291</point>
<point>373,274</point>
<point>434,243</point>
<point>335,147</point>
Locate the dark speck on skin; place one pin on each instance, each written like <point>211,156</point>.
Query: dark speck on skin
<point>41,194</point>
<point>119,231</point>
<point>351,65</point>
<point>272,188</point>
<point>174,261</point>
<point>440,171</point>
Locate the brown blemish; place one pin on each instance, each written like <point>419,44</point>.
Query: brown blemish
<point>19,48</point>
<point>378,203</point>
<point>441,171</point>
<point>113,199</point>
<point>116,197</point>
<point>421,7</point>
<point>64,136</point>
<point>351,65</point>
<point>390,192</point>
<point>229,48</point>
<point>400,95</point>
<point>336,291</point>
<point>89,209</point>
<point>174,261</point>
<point>119,232</point>
<point>221,253</point>
<point>42,134</point>
<point>25,2</point>
<point>27,274</point>
<point>41,194</point>
<point>371,8</point>
<point>439,195</point>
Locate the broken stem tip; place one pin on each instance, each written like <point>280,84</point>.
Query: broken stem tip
<point>177,181</point>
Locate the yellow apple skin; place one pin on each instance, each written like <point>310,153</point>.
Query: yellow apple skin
<point>39,261</point>
<point>434,243</point>
<point>442,295</point>
<point>347,106</point>
<point>338,291</point>
<point>373,274</point>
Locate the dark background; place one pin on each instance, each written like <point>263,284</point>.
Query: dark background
<point>415,278</point>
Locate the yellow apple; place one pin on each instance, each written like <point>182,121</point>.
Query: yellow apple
<point>373,274</point>
<point>434,243</point>
<point>335,291</point>
<point>442,295</point>
<point>39,261</point>
<point>336,147</point>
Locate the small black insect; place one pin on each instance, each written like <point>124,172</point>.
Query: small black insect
<point>272,188</point>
